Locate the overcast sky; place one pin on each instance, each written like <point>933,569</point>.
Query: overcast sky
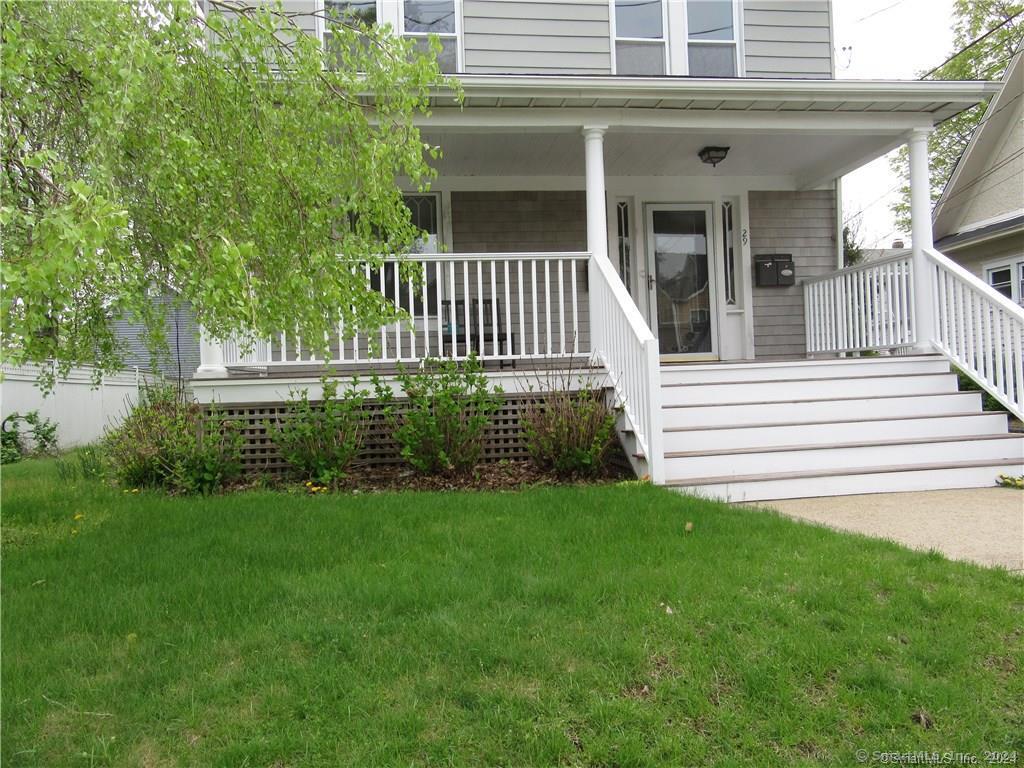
<point>885,39</point>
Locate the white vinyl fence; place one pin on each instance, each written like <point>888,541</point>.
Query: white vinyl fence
<point>80,410</point>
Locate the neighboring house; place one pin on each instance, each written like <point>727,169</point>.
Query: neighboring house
<point>648,189</point>
<point>979,220</point>
<point>181,332</point>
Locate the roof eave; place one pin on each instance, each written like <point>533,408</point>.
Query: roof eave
<point>739,88</point>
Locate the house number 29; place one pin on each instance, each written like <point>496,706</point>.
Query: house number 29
<point>743,237</point>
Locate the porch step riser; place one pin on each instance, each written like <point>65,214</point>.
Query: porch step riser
<point>831,433</point>
<point>823,370</point>
<point>714,394</point>
<point>773,413</point>
<point>842,458</point>
<point>847,485</point>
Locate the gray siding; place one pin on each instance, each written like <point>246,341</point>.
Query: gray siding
<point>504,222</point>
<point>182,339</point>
<point>803,224</point>
<point>787,38</point>
<point>535,37</point>
<point>975,258</point>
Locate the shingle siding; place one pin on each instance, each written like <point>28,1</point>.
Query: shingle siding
<point>530,222</point>
<point>802,224</point>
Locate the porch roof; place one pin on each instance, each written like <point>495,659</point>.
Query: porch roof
<point>937,100</point>
<point>806,131</point>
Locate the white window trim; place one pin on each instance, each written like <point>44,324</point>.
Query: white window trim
<point>1016,266</point>
<point>675,35</point>
<point>666,58</point>
<point>391,12</point>
<point>456,35</point>
<point>320,9</point>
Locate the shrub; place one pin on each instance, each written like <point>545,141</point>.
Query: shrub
<point>90,462</point>
<point>570,433</point>
<point>967,384</point>
<point>42,431</point>
<point>168,442</point>
<point>44,434</point>
<point>320,441</point>
<point>450,406</point>
<point>11,447</point>
<point>85,464</point>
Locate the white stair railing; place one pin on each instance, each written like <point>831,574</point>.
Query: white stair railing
<point>979,330</point>
<point>871,307</point>
<point>865,307</point>
<point>626,346</point>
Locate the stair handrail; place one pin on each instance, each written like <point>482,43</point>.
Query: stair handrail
<point>979,330</point>
<point>626,346</point>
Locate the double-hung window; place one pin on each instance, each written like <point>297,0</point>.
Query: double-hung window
<point>699,38</point>
<point>711,38</point>
<point>640,47</point>
<point>350,11</point>
<point>422,18</point>
<point>1008,279</point>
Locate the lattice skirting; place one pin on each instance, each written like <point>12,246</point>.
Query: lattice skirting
<point>503,440</point>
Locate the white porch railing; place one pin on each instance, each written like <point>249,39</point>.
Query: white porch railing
<point>865,307</point>
<point>979,330</point>
<point>624,343</point>
<point>872,307</point>
<point>500,306</point>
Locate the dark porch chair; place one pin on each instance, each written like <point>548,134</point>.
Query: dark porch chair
<point>448,323</point>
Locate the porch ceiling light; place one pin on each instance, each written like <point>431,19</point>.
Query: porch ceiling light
<point>713,155</point>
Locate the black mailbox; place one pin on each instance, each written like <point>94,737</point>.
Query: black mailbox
<point>774,269</point>
<point>785,269</point>
<point>765,272</point>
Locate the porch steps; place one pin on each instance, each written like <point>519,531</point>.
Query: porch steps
<point>759,431</point>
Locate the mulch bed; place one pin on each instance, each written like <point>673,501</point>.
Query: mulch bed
<point>497,476</point>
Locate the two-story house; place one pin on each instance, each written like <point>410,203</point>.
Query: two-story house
<point>649,189</point>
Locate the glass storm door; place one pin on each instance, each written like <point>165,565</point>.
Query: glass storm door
<point>681,281</point>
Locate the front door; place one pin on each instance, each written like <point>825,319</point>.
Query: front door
<point>681,281</point>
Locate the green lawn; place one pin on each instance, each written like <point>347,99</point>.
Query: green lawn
<point>558,626</point>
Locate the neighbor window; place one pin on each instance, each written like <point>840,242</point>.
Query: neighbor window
<point>711,38</point>
<point>422,18</point>
<point>639,37</point>
<point>1002,279</point>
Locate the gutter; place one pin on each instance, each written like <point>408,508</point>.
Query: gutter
<point>677,87</point>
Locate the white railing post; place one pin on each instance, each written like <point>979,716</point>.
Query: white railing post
<point>921,237</point>
<point>211,358</point>
<point>655,444</point>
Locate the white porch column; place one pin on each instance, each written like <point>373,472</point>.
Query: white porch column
<point>921,237</point>
<point>211,358</point>
<point>597,218</point>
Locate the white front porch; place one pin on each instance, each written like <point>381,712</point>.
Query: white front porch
<point>607,299</point>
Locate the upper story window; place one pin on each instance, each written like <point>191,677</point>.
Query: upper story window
<point>415,19</point>
<point>347,11</point>
<point>711,38</point>
<point>699,38</point>
<point>422,18</point>
<point>639,37</point>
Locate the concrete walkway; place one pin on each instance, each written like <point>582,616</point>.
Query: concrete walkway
<point>983,525</point>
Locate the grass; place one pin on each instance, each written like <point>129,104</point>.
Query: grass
<point>559,626</point>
